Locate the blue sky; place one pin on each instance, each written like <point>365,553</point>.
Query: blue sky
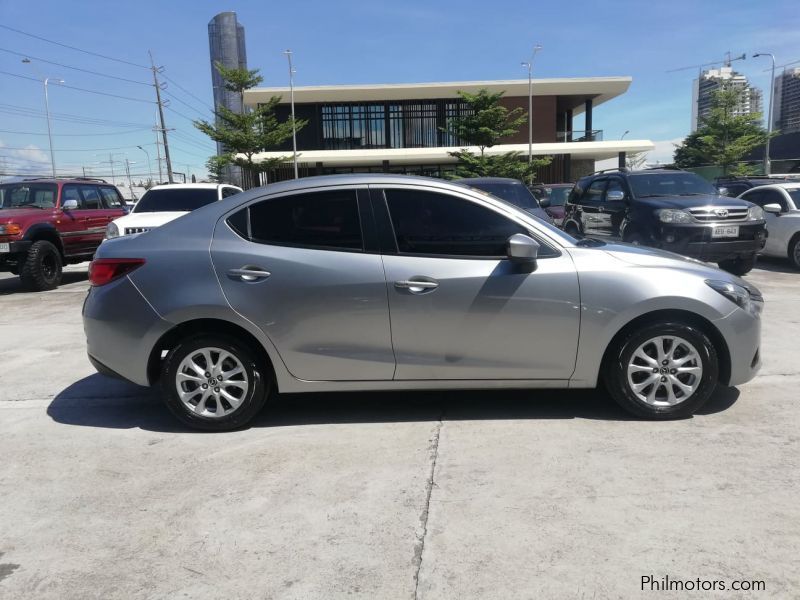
<point>351,41</point>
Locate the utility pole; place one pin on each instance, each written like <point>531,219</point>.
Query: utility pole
<point>161,117</point>
<point>111,163</point>
<point>529,65</point>
<point>128,172</point>
<point>288,54</point>
<point>767,163</point>
<point>158,157</point>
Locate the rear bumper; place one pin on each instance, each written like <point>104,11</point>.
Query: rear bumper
<point>696,241</point>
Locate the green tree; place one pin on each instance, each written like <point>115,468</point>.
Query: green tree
<point>486,123</point>
<point>250,132</point>
<point>723,138</point>
<point>215,165</point>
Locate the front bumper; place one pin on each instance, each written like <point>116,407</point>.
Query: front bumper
<point>695,241</point>
<point>742,333</point>
<point>16,249</point>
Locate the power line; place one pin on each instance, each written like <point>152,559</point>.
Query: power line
<point>80,149</point>
<point>76,134</point>
<point>119,60</point>
<point>174,97</point>
<point>72,87</point>
<point>44,60</point>
<point>70,118</point>
<point>179,86</point>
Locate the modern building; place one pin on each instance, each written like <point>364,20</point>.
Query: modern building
<point>227,47</point>
<point>711,80</point>
<point>786,113</point>
<point>404,128</point>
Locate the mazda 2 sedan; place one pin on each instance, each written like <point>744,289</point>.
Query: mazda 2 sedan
<point>379,282</point>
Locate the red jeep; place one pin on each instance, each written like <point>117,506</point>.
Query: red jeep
<point>47,223</point>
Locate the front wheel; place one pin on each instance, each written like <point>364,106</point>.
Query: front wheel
<point>41,269</point>
<point>738,266</point>
<point>214,383</point>
<point>662,371</point>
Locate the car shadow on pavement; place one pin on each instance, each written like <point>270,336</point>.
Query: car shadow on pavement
<point>12,285</point>
<point>775,265</point>
<point>99,401</point>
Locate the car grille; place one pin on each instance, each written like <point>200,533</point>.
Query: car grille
<point>711,214</point>
<point>132,230</point>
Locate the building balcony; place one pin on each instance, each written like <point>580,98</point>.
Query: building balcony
<point>580,135</point>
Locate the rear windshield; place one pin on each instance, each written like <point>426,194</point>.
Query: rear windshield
<point>515,193</point>
<point>176,199</point>
<point>30,195</point>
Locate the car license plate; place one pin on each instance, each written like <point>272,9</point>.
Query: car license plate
<point>725,231</point>
<point>5,247</point>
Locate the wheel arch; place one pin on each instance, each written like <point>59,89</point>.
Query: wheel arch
<point>45,232</point>
<point>206,326</point>
<point>683,316</point>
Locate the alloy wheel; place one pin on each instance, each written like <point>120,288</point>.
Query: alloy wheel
<point>211,382</point>
<point>665,371</point>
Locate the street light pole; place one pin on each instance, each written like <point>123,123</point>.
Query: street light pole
<point>627,131</point>
<point>529,65</point>
<point>288,54</point>
<point>45,81</point>
<point>767,164</point>
<point>149,166</point>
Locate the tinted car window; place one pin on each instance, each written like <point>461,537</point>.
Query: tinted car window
<point>91,197</point>
<point>764,197</point>
<point>431,223</point>
<point>111,197</point>
<point>229,191</point>
<point>70,192</point>
<point>20,195</point>
<point>614,185</point>
<point>318,220</point>
<point>558,196</point>
<point>595,191</point>
<point>678,183</point>
<point>515,193</point>
<point>175,199</point>
<point>795,196</point>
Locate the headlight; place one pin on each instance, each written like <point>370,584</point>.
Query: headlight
<point>112,231</point>
<point>756,213</point>
<point>673,215</point>
<point>10,229</point>
<point>745,298</point>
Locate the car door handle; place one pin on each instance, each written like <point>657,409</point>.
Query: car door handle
<point>417,286</point>
<point>249,274</point>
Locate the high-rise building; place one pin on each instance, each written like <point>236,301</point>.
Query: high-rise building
<point>786,113</point>
<point>711,80</point>
<point>227,47</point>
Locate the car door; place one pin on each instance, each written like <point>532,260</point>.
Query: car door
<point>613,209</point>
<point>778,232</point>
<point>305,268</point>
<point>95,215</point>
<point>591,213</point>
<point>72,223</point>
<point>113,204</point>
<point>460,309</point>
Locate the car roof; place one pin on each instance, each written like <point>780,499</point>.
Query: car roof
<point>356,179</point>
<point>189,186</point>
<point>84,180</point>
<point>788,185</point>
<point>488,180</point>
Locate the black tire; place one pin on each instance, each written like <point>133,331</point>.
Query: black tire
<point>259,381</point>
<point>615,372</point>
<point>794,251</point>
<point>573,230</point>
<point>738,266</point>
<point>41,269</point>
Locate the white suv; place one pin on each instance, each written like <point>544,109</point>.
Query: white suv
<point>781,204</point>
<point>163,203</point>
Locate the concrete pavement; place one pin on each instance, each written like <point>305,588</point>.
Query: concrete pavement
<point>544,494</point>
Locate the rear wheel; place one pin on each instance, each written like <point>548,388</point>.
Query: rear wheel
<point>738,266</point>
<point>41,269</point>
<point>214,383</point>
<point>662,371</point>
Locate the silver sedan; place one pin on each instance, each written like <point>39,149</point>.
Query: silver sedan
<point>378,282</point>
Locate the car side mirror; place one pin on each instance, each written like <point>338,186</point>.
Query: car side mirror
<point>544,202</point>
<point>723,191</point>
<point>773,208</point>
<point>522,249</point>
<point>615,196</point>
<point>69,205</point>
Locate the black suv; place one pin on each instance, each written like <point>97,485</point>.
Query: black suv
<point>669,209</point>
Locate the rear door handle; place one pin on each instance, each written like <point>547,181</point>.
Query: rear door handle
<point>249,274</point>
<point>417,286</point>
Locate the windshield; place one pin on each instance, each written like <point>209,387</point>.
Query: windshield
<point>26,195</point>
<point>175,199</point>
<point>515,193</point>
<point>558,196</point>
<point>679,183</point>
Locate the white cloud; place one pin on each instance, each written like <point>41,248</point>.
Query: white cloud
<point>661,154</point>
<point>29,160</point>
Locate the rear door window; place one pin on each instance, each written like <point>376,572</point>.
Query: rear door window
<point>91,197</point>
<point>111,197</point>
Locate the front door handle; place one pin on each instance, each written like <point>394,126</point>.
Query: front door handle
<point>249,274</point>
<point>417,286</point>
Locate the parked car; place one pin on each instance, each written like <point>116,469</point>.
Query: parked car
<point>47,223</point>
<point>731,185</point>
<point>163,203</point>
<point>555,199</point>
<point>510,190</point>
<point>669,209</point>
<point>380,282</point>
<point>781,203</point>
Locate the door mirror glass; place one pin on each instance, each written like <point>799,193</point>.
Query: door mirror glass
<point>615,196</point>
<point>723,191</point>
<point>775,209</point>
<point>70,205</point>
<point>544,202</point>
<point>522,248</point>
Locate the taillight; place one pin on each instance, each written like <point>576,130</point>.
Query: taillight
<point>106,270</point>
